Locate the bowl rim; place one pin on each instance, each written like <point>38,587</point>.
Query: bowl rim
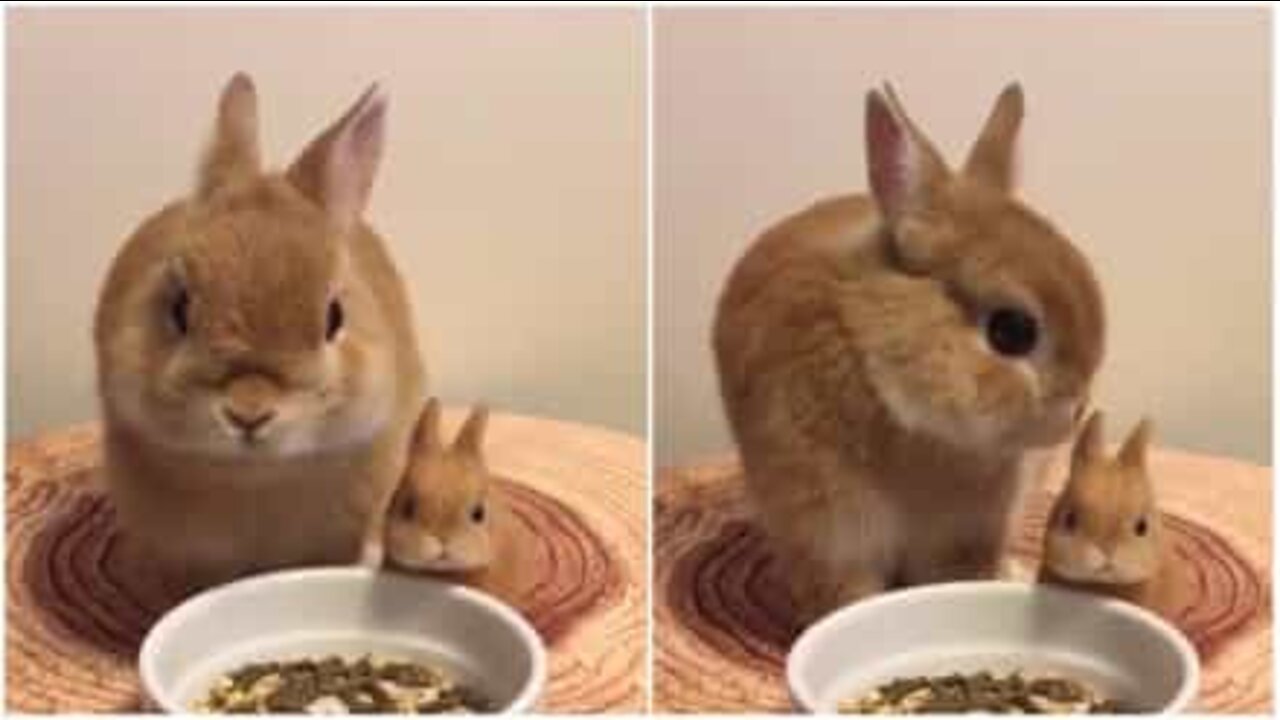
<point>804,699</point>
<point>174,618</point>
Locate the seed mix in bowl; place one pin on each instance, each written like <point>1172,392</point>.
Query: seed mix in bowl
<point>981,692</point>
<point>335,684</point>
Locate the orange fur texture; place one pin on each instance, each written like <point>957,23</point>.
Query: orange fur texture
<point>1105,532</point>
<point>883,437</point>
<point>446,516</point>
<point>257,364</point>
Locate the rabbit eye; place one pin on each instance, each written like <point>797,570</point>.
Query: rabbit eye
<point>1012,332</point>
<point>1070,521</point>
<point>334,321</point>
<point>1140,527</point>
<point>407,508</point>
<point>477,513</point>
<point>178,311</point>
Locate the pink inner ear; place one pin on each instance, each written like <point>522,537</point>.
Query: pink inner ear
<point>353,162</point>
<point>886,157</point>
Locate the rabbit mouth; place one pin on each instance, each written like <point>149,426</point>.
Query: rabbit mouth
<point>254,444</point>
<point>283,436</point>
<point>1107,574</point>
<point>447,564</point>
<point>451,565</point>
<point>278,442</point>
<point>251,442</point>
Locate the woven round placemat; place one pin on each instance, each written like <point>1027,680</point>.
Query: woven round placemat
<point>77,612</point>
<point>723,619</point>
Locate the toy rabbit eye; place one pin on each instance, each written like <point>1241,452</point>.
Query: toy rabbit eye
<point>1070,521</point>
<point>1012,332</point>
<point>334,320</point>
<point>407,508</point>
<point>477,513</point>
<point>178,311</point>
<point>1140,527</point>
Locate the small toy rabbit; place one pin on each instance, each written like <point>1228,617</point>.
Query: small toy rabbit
<point>1105,533</point>
<point>440,517</point>
<point>257,361</point>
<point>446,516</point>
<point>887,361</point>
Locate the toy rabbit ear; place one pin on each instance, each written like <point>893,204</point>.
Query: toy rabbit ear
<point>1089,445</point>
<point>1133,454</point>
<point>993,159</point>
<point>426,435</point>
<point>905,172</point>
<point>470,438</point>
<point>337,169</point>
<point>232,155</point>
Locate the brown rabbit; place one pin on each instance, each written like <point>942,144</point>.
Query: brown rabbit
<point>1105,533</point>
<point>446,516</point>
<point>886,363</point>
<point>257,364</point>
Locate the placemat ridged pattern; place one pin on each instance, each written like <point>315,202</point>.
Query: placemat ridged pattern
<point>724,623</point>
<point>76,614</point>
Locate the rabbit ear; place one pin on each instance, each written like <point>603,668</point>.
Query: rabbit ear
<point>905,170</point>
<point>233,154</point>
<point>337,169</point>
<point>426,436</point>
<point>1089,445</point>
<point>992,159</point>
<point>1133,454</point>
<point>470,438</point>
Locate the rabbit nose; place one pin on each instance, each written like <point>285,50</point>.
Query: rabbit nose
<point>1095,558</point>
<point>431,548</point>
<point>248,403</point>
<point>248,421</point>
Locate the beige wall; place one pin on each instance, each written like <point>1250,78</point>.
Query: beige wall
<point>1146,139</point>
<point>512,190</point>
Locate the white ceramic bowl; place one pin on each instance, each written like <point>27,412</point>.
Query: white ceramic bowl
<point>1126,652</point>
<point>345,610</point>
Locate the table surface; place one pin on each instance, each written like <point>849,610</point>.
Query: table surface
<point>723,622</point>
<point>75,618</point>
